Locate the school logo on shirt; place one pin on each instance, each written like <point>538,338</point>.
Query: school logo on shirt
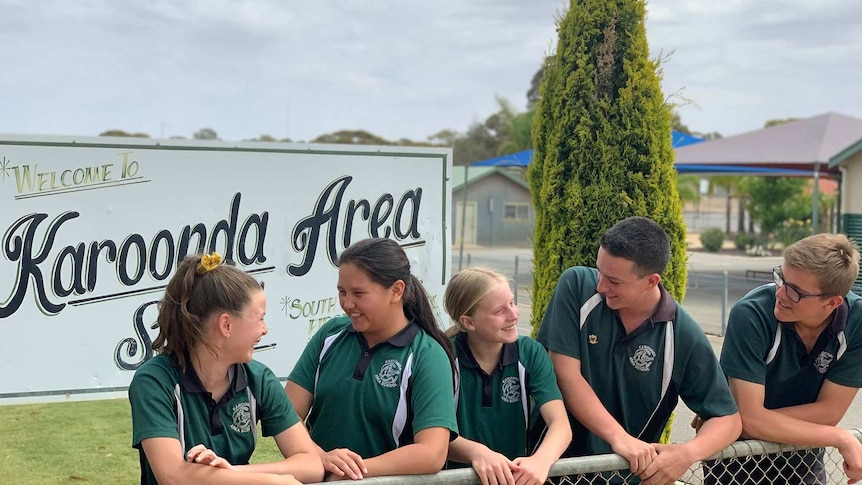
<point>821,363</point>
<point>241,418</point>
<point>389,373</point>
<point>510,391</point>
<point>643,358</point>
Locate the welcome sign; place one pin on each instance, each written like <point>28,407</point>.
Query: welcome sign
<point>93,229</point>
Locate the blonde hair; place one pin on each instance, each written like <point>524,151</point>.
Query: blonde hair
<point>464,292</point>
<point>832,258</point>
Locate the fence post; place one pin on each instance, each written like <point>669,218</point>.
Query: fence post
<point>515,279</point>
<point>724,306</point>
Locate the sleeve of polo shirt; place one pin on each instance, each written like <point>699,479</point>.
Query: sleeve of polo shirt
<point>276,411</point>
<point>845,371</point>
<point>432,392</point>
<point>306,367</point>
<point>743,353</point>
<point>560,331</point>
<point>153,404</point>
<point>703,387</point>
<point>542,382</point>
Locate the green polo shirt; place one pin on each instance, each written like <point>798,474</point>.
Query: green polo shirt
<point>640,376</point>
<point>167,403</point>
<point>760,349</point>
<point>373,400</point>
<point>523,378</point>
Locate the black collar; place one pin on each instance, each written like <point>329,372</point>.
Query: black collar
<point>838,323</point>
<point>839,318</point>
<point>466,358</point>
<point>400,339</point>
<point>191,382</point>
<point>666,309</point>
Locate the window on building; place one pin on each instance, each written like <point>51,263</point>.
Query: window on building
<point>516,212</point>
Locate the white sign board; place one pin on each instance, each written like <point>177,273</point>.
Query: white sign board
<point>92,230</point>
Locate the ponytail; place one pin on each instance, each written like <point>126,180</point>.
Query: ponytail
<point>417,307</point>
<point>385,262</point>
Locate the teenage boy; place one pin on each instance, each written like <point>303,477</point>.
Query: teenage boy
<point>793,359</point>
<point>624,352</point>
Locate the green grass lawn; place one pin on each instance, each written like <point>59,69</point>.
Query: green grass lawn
<point>76,442</point>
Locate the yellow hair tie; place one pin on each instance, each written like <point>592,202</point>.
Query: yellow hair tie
<point>209,262</point>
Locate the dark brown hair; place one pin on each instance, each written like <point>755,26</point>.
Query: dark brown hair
<point>385,262</point>
<point>192,295</point>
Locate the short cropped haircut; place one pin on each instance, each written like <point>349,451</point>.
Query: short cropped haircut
<point>832,258</point>
<point>640,240</point>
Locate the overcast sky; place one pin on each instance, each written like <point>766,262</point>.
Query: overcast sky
<point>399,69</point>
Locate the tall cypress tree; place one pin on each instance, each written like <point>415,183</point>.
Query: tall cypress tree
<point>602,137</point>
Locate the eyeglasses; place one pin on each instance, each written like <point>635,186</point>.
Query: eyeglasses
<point>794,293</point>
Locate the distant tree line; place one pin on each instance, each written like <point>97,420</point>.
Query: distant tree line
<point>772,203</point>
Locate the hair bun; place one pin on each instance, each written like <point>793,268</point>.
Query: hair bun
<point>209,262</point>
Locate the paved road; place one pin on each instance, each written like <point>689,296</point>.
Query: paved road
<point>704,297</point>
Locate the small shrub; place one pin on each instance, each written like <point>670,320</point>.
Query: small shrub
<point>745,240</point>
<point>712,239</point>
<point>791,231</point>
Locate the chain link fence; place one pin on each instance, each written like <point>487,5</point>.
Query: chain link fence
<point>748,462</point>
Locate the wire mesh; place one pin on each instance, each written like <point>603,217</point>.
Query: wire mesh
<point>749,462</point>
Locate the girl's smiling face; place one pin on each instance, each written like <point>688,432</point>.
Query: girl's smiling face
<point>495,318</point>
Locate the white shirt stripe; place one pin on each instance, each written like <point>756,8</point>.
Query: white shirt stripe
<point>180,418</point>
<point>400,419</point>
<point>588,307</point>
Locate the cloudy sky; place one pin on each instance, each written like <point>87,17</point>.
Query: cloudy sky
<point>399,69</point>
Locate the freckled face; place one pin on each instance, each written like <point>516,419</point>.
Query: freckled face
<point>495,318</point>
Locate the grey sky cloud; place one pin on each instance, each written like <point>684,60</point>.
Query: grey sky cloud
<point>397,69</point>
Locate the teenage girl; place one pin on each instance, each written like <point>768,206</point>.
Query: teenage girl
<point>501,375</point>
<point>196,405</point>
<point>375,386</point>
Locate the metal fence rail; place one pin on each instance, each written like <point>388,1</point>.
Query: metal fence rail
<point>708,297</point>
<point>750,462</point>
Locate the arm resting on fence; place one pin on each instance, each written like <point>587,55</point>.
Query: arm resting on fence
<point>770,425</point>
<point>831,405</point>
<point>767,424</point>
<point>537,467</point>
<point>588,464</point>
<point>585,405</point>
<point>487,462</point>
<point>673,460</point>
<point>425,455</point>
